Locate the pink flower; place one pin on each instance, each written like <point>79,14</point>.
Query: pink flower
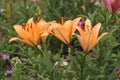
<point>35,0</point>
<point>81,23</point>
<point>112,5</point>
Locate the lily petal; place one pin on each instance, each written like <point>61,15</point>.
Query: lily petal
<point>102,35</point>
<point>25,41</point>
<point>60,34</point>
<point>21,32</point>
<point>93,38</point>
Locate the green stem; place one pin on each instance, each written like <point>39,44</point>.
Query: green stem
<point>83,65</point>
<point>46,58</point>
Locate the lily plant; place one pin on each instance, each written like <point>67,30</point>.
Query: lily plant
<point>88,36</point>
<point>32,33</point>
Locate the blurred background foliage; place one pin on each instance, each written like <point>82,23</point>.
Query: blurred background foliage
<point>101,63</point>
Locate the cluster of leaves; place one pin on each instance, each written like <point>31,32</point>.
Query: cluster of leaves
<point>99,64</point>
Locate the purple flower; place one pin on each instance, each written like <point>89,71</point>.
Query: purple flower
<point>8,64</point>
<point>8,72</point>
<point>79,49</point>
<point>4,56</point>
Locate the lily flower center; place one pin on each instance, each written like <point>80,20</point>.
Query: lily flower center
<point>27,27</point>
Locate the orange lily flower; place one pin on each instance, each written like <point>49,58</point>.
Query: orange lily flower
<point>88,36</point>
<point>32,33</point>
<point>65,30</point>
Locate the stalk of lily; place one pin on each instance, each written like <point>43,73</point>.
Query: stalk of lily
<point>88,36</point>
<point>112,5</point>
<point>64,31</point>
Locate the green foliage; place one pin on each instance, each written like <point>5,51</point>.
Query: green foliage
<point>99,64</point>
